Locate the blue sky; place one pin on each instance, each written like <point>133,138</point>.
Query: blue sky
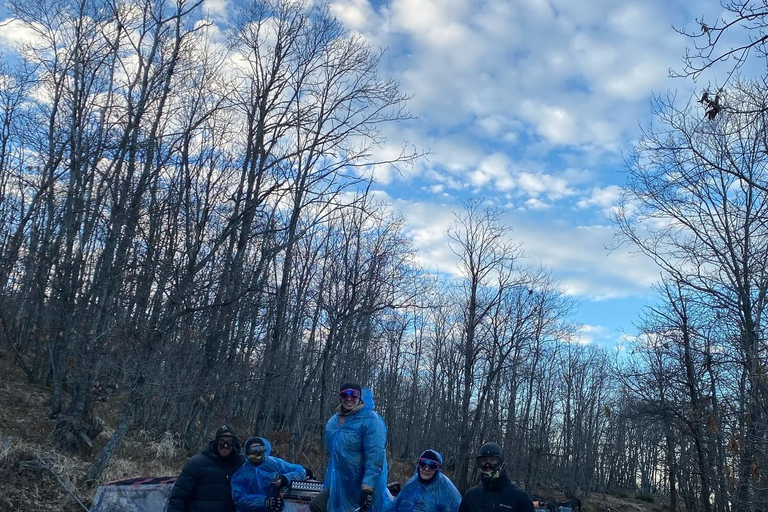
<point>531,106</point>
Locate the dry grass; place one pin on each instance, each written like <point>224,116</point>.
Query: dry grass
<point>400,470</point>
<point>33,475</point>
<point>143,454</point>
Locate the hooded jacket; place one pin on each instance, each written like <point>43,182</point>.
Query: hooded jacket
<point>496,495</point>
<point>252,485</point>
<point>357,458</point>
<point>437,495</point>
<point>203,485</point>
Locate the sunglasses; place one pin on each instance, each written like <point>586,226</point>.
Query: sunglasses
<point>224,444</point>
<point>256,449</point>
<point>429,464</point>
<point>349,393</point>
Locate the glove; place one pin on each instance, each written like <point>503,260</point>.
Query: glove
<point>280,481</point>
<point>274,503</point>
<point>366,499</point>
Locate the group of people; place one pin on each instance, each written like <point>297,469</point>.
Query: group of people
<point>220,479</point>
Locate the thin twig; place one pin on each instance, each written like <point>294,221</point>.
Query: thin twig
<point>64,485</point>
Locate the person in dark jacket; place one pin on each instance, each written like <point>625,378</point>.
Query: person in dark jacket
<point>204,483</point>
<point>428,490</point>
<point>256,485</point>
<point>495,493</point>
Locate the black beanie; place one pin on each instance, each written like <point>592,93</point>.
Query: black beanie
<point>491,449</point>
<point>350,385</point>
<point>429,454</point>
<point>225,431</point>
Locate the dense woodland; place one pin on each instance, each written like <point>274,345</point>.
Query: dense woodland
<point>187,226</point>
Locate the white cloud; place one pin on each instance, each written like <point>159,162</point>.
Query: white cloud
<point>217,9</point>
<point>427,225</point>
<point>554,123</point>
<point>604,198</point>
<point>589,334</point>
<point>578,255</point>
<point>357,15</point>
<point>544,184</point>
<point>494,170</point>
<point>536,204</point>
<point>14,34</point>
<point>566,72</point>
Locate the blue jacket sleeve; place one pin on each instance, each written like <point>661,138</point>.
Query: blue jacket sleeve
<point>374,444</point>
<point>292,472</point>
<point>245,502</point>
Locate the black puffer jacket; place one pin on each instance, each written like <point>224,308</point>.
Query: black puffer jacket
<point>203,485</point>
<point>498,495</point>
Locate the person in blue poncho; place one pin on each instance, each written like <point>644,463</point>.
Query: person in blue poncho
<point>356,475</point>
<point>428,490</point>
<point>256,485</point>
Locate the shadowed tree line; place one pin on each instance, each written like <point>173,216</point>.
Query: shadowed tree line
<point>188,230</point>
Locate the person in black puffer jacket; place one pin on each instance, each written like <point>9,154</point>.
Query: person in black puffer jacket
<point>495,493</point>
<point>203,485</point>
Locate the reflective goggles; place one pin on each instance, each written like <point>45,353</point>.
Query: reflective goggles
<point>430,464</point>
<point>257,449</point>
<point>349,393</point>
<point>488,462</point>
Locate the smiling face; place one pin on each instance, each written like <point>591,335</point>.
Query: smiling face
<point>349,398</point>
<point>224,445</point>
<point>427,473</point>
<point>428,468</point>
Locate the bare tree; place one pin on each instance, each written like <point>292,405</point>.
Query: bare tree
<point>486,258</point>
<point>705,228</point>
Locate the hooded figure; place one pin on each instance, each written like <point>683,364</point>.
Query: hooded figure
<point>436,493</point>
<point>204,483</point>
<point>256,484</point>
<point>495,492</point>
<point>356,475</point>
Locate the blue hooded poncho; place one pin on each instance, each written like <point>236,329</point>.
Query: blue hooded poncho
<point>252,485</point>
<point>437,495</point>
<point>357,457</point>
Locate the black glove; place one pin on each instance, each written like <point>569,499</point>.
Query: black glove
<point>274,503</point>
<point>281,481</point>
<point>366,499</point>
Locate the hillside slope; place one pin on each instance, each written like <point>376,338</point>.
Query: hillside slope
<point>34,477</point>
